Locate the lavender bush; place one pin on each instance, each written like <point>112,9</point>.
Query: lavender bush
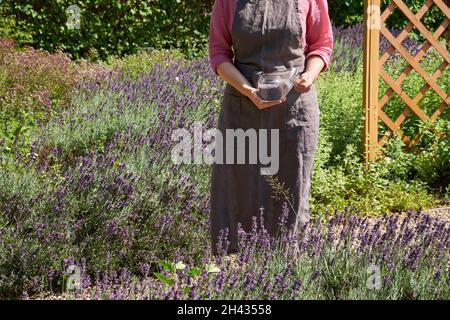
<point>99,182</point>
<point>348,47</point>
<point>397,257</point>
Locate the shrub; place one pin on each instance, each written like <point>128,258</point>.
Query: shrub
<point>111,28</point>
<point>34,85</point>
<point>428,161</point>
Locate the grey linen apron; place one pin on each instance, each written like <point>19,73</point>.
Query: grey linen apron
<point>266,36</point>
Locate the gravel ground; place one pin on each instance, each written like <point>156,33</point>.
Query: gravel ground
<point>442,213</point>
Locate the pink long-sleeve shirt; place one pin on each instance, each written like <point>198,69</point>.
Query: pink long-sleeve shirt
<point>316,26</point>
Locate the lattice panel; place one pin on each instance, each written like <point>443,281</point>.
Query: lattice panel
<point>413,64</point>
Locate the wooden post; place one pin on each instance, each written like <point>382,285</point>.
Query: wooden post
<point>371,67</point>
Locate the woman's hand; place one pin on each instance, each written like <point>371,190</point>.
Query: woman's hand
<point>304,82</point>
<point>314,66</point>
<point>252,94</point>
<point>233,76</point>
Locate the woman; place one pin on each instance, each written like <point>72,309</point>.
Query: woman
<point>268,36</point>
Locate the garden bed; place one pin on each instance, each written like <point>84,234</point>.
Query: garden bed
<point>87,181</point>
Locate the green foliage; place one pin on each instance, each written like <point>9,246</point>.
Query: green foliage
<point>15,128</point>
<point>399,180</point>
<point>369,190</point>
<point>107,27</point>
<point>349,12</point>
<point>341,112</point>
<point>8,27</point>
<point>143,61</point>
<point>428,161</point>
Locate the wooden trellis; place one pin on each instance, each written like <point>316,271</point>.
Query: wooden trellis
<point>373,69</point>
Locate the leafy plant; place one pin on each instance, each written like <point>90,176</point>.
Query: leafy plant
<point>108,28</point>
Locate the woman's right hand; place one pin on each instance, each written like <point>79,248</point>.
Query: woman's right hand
<point>252,94</point>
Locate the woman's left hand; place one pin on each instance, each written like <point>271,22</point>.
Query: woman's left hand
<point>304,82</point>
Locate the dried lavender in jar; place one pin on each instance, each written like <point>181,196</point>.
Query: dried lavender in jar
<point>271,91</point>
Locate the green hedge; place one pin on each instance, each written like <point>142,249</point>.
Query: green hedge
<point>108,26</point>
<point>118,27</point>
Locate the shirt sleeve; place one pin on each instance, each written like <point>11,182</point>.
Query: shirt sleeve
<point>319,34</point>
<point>219,41</point>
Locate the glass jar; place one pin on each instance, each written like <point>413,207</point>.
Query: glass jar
<point>270,87</point>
